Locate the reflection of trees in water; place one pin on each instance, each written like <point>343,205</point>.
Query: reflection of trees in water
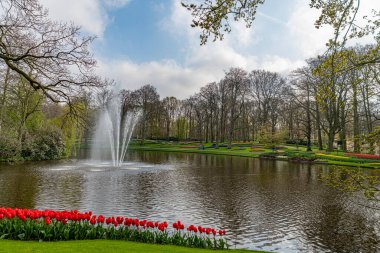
<point>340,229</point>
<point>18,186</point>
<point>265,202</point>
<point>340,224</point>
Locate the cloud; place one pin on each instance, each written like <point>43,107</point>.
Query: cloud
<point>91,15</point>
<point>311,41</point>
<point>116,3</point>
<point>303,36</point>
<point>280,64</point>
<point>167,76</point>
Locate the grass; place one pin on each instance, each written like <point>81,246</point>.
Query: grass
<point>245,150</point>
<point>94,246</point>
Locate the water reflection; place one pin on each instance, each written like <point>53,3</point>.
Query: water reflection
<point>275,206</point>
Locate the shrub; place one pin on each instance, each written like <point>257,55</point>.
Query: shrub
<point>9,148</point>
<point>45,144</point>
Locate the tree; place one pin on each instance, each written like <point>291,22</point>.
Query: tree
<point>170,107</point>
<point>267,90</point>
<point>148,100</point>
<point>209,96</point>
<point>213,18</point>
<point>52,57</point>
<point>236,82</point>
<point>302,95</point>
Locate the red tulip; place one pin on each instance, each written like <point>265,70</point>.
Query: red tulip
<point>93,220</point>
<point>100,219</point>
<point>47,221</point>
<point>119,219</point>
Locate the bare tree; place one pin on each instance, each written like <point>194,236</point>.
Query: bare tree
<point>266,89</point>
<point>148,100</point>
<point>52,57</point>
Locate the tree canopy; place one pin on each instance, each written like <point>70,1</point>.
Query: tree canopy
<point>213,18</point>
<point>51,56</point>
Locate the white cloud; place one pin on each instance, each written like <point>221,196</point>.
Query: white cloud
<point>91,15</point>
<point>311,41</point>
<point>302,33</point>
<point>116,3</point>
<point>280,64</point>
<point>86,13</point>
<point>167,76</point>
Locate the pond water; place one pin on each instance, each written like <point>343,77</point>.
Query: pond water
<point>267,205</point>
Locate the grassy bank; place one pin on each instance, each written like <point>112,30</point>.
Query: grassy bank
<point>95,246</point>
<point>286,152</point>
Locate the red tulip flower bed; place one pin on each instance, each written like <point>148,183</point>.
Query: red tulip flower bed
<point>364,156</point>
<point>49,225</point>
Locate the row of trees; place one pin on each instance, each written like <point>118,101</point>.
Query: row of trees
<point>313,105</point>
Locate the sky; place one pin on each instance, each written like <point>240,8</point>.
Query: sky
<point>151,42</point>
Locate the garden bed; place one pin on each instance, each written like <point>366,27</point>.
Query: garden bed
<point>50,225</point>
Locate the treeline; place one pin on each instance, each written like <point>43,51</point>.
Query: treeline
<point>329,103</point>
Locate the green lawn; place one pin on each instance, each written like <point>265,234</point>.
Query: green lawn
<point>244,150</point>
<point>95,246</point>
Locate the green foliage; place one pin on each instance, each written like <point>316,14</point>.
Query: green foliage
<point>372,138</point>
<point>212,17</point>
<point>301,155</point>
<point>266,136</point>
<point>353,180</point>
<point>9,148</point>
<point>46,144</point>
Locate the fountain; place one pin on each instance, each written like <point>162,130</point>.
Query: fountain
<point>113,132</point>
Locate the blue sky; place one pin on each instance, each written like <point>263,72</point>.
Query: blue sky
<point>151,42</point>
<point>137,31</point>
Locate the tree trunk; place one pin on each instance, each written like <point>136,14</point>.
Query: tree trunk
<point>2,112</point>
<point>319,130</point>
<point>330,142</point>
<point>356,119</point>
<point>308,118</point>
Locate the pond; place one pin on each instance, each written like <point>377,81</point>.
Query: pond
<point>267,205</point>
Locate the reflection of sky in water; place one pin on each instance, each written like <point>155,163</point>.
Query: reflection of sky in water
<point>275,206</point>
